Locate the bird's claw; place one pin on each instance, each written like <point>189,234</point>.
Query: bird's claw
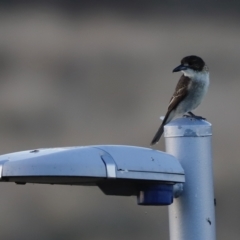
<point>191,115</point>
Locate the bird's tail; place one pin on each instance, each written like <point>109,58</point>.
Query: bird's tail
<point>158,135</point>
<point>169,116</point>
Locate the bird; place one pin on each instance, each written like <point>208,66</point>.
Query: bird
<point>189,92</point>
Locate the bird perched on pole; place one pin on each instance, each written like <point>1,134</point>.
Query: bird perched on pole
<point>190,90</point>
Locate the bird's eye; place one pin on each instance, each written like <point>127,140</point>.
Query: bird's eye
<point>195,66</point>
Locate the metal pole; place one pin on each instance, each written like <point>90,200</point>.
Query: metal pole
<point>192,215</point>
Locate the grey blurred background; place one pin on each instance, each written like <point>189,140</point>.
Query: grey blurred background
<point>100,72</point>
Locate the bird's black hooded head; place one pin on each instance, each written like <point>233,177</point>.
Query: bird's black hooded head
<point>191,62</point>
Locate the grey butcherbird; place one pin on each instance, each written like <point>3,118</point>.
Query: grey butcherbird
<point>190,90</point>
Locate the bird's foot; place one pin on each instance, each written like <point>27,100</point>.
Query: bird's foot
<point>191,115</point>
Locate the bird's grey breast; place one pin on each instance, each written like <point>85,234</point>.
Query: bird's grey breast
<point>197,89</point>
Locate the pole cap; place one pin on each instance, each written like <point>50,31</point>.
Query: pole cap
<point>188,127</point>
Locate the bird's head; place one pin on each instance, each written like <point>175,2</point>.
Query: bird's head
<point>191,65</point>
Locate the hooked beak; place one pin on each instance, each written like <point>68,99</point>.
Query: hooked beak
<point>180,68</point>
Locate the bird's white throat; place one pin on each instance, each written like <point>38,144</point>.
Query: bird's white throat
<point>202,76</point>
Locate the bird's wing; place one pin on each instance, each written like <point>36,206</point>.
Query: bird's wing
<point>180,92</point>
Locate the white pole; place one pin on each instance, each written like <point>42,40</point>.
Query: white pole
<point>192,215</point>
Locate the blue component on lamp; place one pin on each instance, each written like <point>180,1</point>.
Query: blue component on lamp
<point>156,195</point>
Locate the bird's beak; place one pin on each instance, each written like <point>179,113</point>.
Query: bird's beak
<point>180,68</point>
